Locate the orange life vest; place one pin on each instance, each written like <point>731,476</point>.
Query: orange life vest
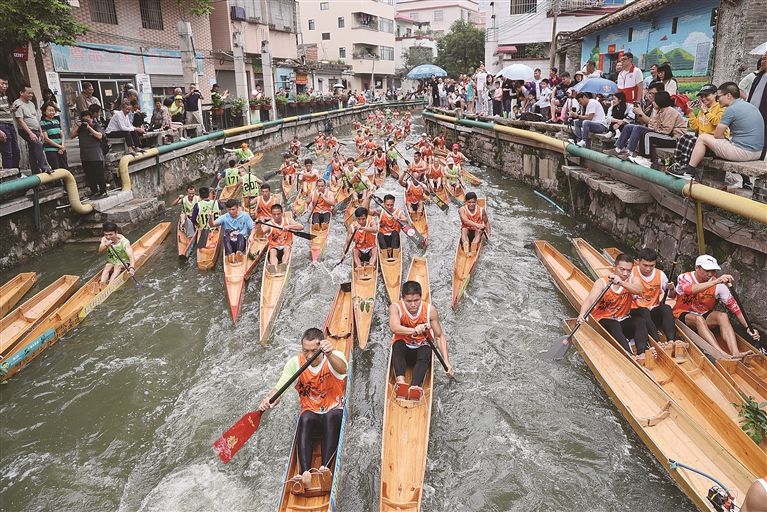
<point>279,237</point>
<point>388,223</point>
<point>700,303</point>
<point>457,158</point>
<point>405,320</point>
<point>331,142</point>
<point>364,240</point>
<point>379,163</point>
<point>371,145</point>
<point>419,166</point>
<point>650,290</point>
<point>310,177</point>
<point>335,165</point>
<point>435,171</point>
<point>288,169</point>
<point>477,216</point>
<point>322,391</point>
<point>321,204</point>
<point>264,208</point>
<point>614,305</point>
<point>413,192</point>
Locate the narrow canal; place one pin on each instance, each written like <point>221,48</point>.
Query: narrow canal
<point>121,413</point>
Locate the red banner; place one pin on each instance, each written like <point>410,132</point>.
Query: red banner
<point>21,53</point>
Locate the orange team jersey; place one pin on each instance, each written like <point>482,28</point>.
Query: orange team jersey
<point>477,216</point>
<point>613,305</point>
<point>264,208</point>
<point>426,150</point>
<point>650,289</point>
<point>435,171</point>
<point>413,193</point>
<point>319,141</point>
<point>417,166</point>
<point>371,145</point>
<point>279,238</point>
<point>457,158</point>
<point>321,204</point>
<point>357,125</point>
<point>287,170</point>
<point>335,165</point>
<point>406,320</point>
<point>398,132</point>
<point>379,163</point>
<point>703,302</point>
<point>359,140</point>
<point>364,240</point>
<point>311,177</point>
<point>320,390</point>
<point>331,143</point>
<point>388,223</point>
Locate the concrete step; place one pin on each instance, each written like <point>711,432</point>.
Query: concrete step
<point>91,231</point>
<point>113,200</point>
<point>133,211</point>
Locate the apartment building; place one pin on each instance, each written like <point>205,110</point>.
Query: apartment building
<point>357,33</point>
<point>413,38</point>
<point>441,14</point>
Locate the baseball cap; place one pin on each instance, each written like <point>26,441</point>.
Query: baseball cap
<point>707,262</point>
<point>707,89</point>
<point>449,161</point>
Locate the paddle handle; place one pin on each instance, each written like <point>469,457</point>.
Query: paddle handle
<point>670,279</point>
<point>437,352</point>
<point>588,312</point>
<point>290,381</point>
<point>678,243</point>
<point>346,249</point>
<point>127,267</point>
<point>740,305</point>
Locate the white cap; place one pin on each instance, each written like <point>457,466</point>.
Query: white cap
<point>707,262</point>
<point>449,161</point>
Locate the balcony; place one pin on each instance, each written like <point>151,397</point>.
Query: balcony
<point>364,21</point>
<point>365,52</point>
<point>587,7</point>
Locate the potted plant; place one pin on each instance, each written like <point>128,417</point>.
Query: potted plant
<point>237,107</point>
<point>266,103</point>
<point>303,102</point>
<point>254,104</point>
<point>218,105</point>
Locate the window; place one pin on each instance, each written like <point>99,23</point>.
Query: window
<point>340,22</point>
<point>324,6</point>
<point>386,52</point>
<point>523,6</point>
<point>151,14</point>
<point>439,15</point>
<point>408,32</point>
<point>326,36</point>
<point>311,24</point>
<point>342,53</point>
<point>674,24</point>
<point>103,11</point>
<point>386,25</point>
<point>631,34</point>
<point>598,38</point>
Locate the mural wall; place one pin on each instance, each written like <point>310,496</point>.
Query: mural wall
<point>681,34</point>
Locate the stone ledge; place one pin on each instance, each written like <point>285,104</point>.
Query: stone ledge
<point>114,199</point>
<point>624,192</point>
<point>755,168</point>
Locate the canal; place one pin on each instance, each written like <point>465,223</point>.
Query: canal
<point>121,413</point>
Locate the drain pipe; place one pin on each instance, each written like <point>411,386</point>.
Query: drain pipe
<point>30,182</point>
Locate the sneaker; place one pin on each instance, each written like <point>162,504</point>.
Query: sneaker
<point>582,143</point>
<point>617,134</point>
<point>640,160</point>
<point>401,390</point>
<point>687,172</point>
<point>625,155</point>
<point>614,152</point>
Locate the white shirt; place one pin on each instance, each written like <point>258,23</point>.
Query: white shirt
<point>595,74</point>
<point>481,79</point>
<point>119,123</point>
<point>628,79</point>
<point>594,107</point>
<point>544,98</point>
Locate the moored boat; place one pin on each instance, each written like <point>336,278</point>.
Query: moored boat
<point>207,254</point>
<point>21,320</point>
<point>78,306</point>
<point>364,281</point>
<point>406,424</point>
<point>13,290</point>
<point>464,265</point>
<point>391,270</point>
<point>338,327</point>
<point>272,294</point>
<point>185,242</point>
<point>470,177</point>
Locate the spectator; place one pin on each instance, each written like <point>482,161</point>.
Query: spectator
<point>53,140</point>
<point>570,107</point>
<point>665,76</point>
<point>614,75</point>
<point>523,96</point>
<point>125,94</point>
<point>86,98</point>
<point>653,76</point>
<point>137,117</point>
<point>177,110</point>
<point>194,105</point>
<point>9,145</point>
<point>578,78</point>
<point>25,112</point>
<point>665,120</point>
<point>216,96</point>
<point>470,93</point>
<point>481,80</point>
<point>160,117</point>
<point>591,70</point>
<point>554,78</point>
<point>618,113</point>
<point>49,99</point>
<point>746,127</point>
<point>667,125</point>
<point>91,137</point>
<point>498,99</point>
<point>544,99</point>
<point>433,85</point>
<point>592,120</point>
<point>630,79</point>
<point>441,87</point>
<point>705,122</point>
<point>508,87</point>
<point>757,95</point>
<point>746,81</point>
<point>653,89</point>
<point>120,126</point>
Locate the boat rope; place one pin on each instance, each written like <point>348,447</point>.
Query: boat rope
<point>674,465</point>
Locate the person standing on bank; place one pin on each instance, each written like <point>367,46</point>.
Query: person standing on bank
<point>193,104</point>
<point>9,144</point>
<point>53,139</point>
<point>90,134</point>
<point>25,112</point>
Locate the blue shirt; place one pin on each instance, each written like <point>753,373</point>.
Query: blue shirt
<point>242,223</point>
<point>746,125</point>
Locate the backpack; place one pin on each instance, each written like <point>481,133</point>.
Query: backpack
<point>681,102</point>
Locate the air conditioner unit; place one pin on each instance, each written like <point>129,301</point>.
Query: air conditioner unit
<point>237,13</point>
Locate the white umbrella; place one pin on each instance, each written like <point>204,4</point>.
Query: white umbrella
<point>517,72</point>
<point>759,50</point>
<point>339,86</point>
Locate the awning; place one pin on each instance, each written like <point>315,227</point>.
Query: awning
<point>506,49</point>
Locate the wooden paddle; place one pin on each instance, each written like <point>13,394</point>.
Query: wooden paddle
<point>749,325</point>
<point>238,434</point>
<point>559,349</point>
<point>299,234</point>
<point>127,267</point>
<point>678,245</point>
<point>432,195</point>
<point>436,351</point>
<point>412,234</point>
<point>346,249</point>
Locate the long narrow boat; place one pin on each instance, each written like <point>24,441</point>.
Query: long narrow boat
<point>391,270</point>
<point>687,377</point>
<point>234,282</point>
<point>666,430</point>
<point>287,189</point>
<point>273,282</point>
<point>185,243</point>
<point>299,205</point>
<point>470,177</point>
<point>364,281</point>
<point>21,320</point>
<point>464,265</point>
<point>258,248</point>
<point>749,377</point>
<point>12,291</point>
<point>441,192</point>
<point>338,327</point>
<point>419,221</point>
<point>207,255</point>
<point>74,310</point>
<point>457,193</point>
<point>320,241</point>
<point>405,438</point>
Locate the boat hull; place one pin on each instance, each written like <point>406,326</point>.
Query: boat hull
<point>364,281</point>
<point>207,255</point>
<point>12,291</point>
<point>463,266</point>
<point>391,272</point>
<point>272,295</point>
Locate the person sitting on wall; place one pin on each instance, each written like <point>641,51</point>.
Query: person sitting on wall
<point>705,121</point>
<point>592,120</point>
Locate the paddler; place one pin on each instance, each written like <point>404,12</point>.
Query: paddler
<point>295,146</point>
<point>119,253</point>
<point>379,163</point>
<point>321,203</point>
<point>357,126</point>
<point>288,170</point>
<point>205,208</point>
<point>452,176</point>
<point>250,187</point>
<point>230,176</point>
<point>361,188</point>
<point>264,203</point>
<point>359,141</point>
<point>280,240</point>
<point>364,231</point>
<point>613,311</point>
<point>391,156</point>
<point>414,185</point>
<point>331,142</point>
<point>238,230</point>
<point>370,147</point>
<point>439,143</point>
<point>243,153</point>
<point>436,172</point>
<point>187,205</point>
<point>698,291</point>
<point>321,394</point>
<point>309,177</point>
<point>647,305</point>
<point>390,220</point>
<point>319,141</point>
<point>412,321</point>
<point>457,156</point>
<point>474,221</point>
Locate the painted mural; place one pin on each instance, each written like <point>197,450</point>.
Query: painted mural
<point>681,34</point>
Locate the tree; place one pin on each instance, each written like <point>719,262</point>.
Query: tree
<point>462,49</point>
<point>415,56</point>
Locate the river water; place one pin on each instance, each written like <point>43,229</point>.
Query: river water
<point>121,413</point>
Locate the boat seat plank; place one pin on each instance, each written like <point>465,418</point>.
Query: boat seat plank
<point>662,415</point>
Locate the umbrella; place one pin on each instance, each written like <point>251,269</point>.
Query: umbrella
<point>759,50</point>
<point>339,86</point>
<point>597,86</point>
<point>517,72</point>
<point>425,71</point>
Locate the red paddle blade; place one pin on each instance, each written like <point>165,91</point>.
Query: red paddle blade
<point>233,439</point>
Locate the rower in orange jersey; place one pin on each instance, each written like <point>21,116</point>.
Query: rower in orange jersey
<point>309,177</point>
<point>613,311</point>
<point>698,292</point>
<point>398,133</point>
<point>363,231</point>
<point>379,163</point>
<point>321,203</point>
<point>331,142</point>
<point>439,142</point>
<point>406,124</point>
<point>457,156</point>
<point>319,141</point>
<point>295,146</point>
<point>288,170</point>
<point>390,221</point>
<point>648,305</point>
<point>263,207</point>
<point>412,322</point>
<point>359,141</point>
<point>357,125</point>
<point>280,240</point>
<point>321,395</point>
<point>370,146</point>
<point>435,173</point>
<point>413,182</point>
<point>474,221</point>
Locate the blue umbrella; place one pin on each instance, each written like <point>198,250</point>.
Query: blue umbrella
<point>425,71</point>
<point>597,86</point>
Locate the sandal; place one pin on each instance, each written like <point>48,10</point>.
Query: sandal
<point>401,390</point>
<point>296,486</point>
<point>415,393</point>
<point>326,478</point>
<point>317,489</point>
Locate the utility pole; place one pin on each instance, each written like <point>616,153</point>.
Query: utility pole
<point>266,62</point>
<point>240,78</point>
<point>188,61</point>
<point>553,51</point>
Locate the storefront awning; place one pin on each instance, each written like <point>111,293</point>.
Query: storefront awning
<point>506,49</point>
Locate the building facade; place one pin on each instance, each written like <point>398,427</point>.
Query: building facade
<point>359,34</point>
<point>413,38</point>
<point>441,14</point>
